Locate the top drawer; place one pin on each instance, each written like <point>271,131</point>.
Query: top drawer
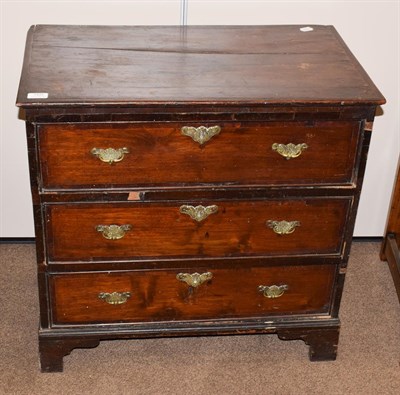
<point>163,154</point>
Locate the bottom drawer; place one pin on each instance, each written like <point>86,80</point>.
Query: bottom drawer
<point>173,295</point>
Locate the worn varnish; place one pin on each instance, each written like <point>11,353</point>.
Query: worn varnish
<point>238,228</point>
<point>164,65</point>
<point>159,296</point>
<point>159,154</point>
<point>135,88</point>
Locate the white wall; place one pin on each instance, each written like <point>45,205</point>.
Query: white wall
<point>370,29</point>
<point>16,218</point>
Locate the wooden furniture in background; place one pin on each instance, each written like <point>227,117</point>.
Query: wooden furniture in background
<point>193,181</point>
<point>390,250</point>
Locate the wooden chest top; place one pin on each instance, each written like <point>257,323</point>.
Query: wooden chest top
<point>171,65</point>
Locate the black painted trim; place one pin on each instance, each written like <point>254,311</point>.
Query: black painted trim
<point>31,240</point>
<point>17,240</point>
<point>28,240</point>
<point>368,239</point>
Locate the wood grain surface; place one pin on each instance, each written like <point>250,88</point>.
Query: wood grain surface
<point>82,65</point>
<point>85,87</point>
<point>160,230</point>
<point>159,296</point>
<point>160,155</point>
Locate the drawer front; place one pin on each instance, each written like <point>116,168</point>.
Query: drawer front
<point>90,232</point>
<point>160,296</point>
<point>160,155</point>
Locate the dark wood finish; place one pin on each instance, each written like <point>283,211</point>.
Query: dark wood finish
<point>393,220</point>
<point>390,250</point>
<point>161,230</point>
<point>215,112</point>
<point>168,65</point>
<point>61,341</point>
<point>245,147</point>
<point>323,342</point>
<point>392,256</point>
<point>52,351</point>
<point>136,87</point>
<point>159,296</point>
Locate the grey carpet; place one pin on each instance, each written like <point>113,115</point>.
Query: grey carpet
<point>368,358</point>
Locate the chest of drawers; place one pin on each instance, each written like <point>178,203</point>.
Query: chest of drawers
<point>192,181</point>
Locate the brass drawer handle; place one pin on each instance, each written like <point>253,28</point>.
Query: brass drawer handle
<point>114,297</point>
<point>195,279</point>
<point>198,213</point>
<point>110,155</point>
<point>273,291</point>
<point>283,227</point>
<point>201,134</point>
<point>113,232</point>
<point>290,150</point>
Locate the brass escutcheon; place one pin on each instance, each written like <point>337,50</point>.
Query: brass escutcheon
<point>290,150</point>
<point>198,213</point>
<point>283,227</point>
<point>113,232</point>
<point>273,291</point>
<point>110,155</point>
<point>201,134</point>
<point>114,297</point>
<point>195,279</point>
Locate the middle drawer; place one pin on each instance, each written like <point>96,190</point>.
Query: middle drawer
<point>124,231</point>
